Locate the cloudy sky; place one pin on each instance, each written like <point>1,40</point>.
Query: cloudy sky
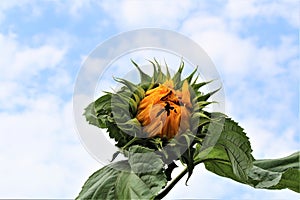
<point>253,44</point>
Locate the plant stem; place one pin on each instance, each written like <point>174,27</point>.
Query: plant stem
<point>175,181</point>
<point>171,185</point>
<point>129,143</point>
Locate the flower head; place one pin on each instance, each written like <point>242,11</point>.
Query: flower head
<point>164,111</point>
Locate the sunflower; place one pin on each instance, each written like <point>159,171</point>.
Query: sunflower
<point>160,106</point>
<point>164,111</point>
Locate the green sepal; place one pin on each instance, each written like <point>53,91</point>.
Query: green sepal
<point>144,77</point>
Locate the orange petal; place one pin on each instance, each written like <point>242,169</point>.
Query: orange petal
<point>185,120</point>
<point>186,96</point>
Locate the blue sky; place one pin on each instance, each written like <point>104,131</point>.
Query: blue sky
<point>253,44</point>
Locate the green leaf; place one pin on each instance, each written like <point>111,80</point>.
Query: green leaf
<point>139,157</point>
<point>149,166</point>
<point>230,154</point>
<point>231,157</point>
<point>281,164</point>
<point>120,137</point>
<point>130,186</point>
<point>97,113</point>
<point>102,104</point>
<point>141,177</point>
<point>101,184</point>
<point>277,173</point>
<point>91,115</point>
<point>289,179</point>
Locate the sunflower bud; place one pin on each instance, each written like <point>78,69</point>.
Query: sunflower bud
<point>164,111</point>
<point>159,106</point>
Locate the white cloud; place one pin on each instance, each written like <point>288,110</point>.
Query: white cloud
<point>133,14</point>
<point>22,66</point>
<point>24,62</point>
<point>75,8</point>
<point>40,152</point>
<point>5,6</point>
<point>267,141</point>
<point>234,55</point>
<point>270,10</point>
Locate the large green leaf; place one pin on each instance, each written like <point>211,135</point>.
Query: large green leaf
<point>131,186</point>
<point>139,177</point>
<point>218,162</point>
<point>277,173</point>
<point>139,157</point>
<point>233,159</point>
<point>229,154</point>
